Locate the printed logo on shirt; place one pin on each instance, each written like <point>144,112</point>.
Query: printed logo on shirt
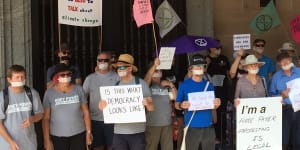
<point>13,108</point>
<point>67,100</point>
<point>160,91</point>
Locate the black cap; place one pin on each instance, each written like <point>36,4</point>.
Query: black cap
<point>198,59</point>
<point>60,68</point>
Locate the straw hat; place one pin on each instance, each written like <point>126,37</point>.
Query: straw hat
<point>287,46</point>
<point>126,60</point>
<point>251,59</point>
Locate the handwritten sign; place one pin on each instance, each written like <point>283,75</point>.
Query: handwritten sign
<point>124,104</point>
<point>201,100</point>
<point>241,41</point>
<point>259,124</point>
<point>295,28</point>
<point>166,56</point>
<point>294,93</point>
<point>80,12</point>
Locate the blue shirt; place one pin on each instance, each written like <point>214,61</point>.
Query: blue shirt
<point>202,118</point>
<point>266,69</point>
<point>279,81</point>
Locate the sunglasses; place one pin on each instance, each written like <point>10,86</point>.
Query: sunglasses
<point>65,74</point>
<point>259,45</point>
<point>200,65</point>
<point>122,67</point>
<point>103,60</point>
<point>66,52</point>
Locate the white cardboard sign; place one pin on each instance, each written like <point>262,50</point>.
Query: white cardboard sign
<point>124,104</point>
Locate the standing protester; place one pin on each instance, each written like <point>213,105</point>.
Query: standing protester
<point>290,119</point>
<point>64,55</point>
<point>66,122</point>
<point>103,76</point>
<point>20,108</point>
<point>218,70</point>
<point>288,47</point>
<point>251,85</point>
<point>268,68</point>
<point>200,131</point>
<point>130,136</point>
<point>159,121</point>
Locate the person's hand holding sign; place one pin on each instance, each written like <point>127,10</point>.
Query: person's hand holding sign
<point>184,105</point>
<point>217,103</point>
<point>102,104</point>
<point>147,102</point>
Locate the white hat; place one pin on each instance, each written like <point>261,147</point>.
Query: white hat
<point>287,46</point>
<point>251,59</point>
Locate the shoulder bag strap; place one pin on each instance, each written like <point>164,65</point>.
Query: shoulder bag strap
<point>206,86</point>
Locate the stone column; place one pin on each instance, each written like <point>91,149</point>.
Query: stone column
<point>15,37</point>
<point>200,18</point>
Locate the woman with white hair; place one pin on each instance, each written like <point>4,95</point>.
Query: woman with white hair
<point>251,85</point>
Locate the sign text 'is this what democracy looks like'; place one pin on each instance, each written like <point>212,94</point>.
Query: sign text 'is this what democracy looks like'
<point>124,104</point>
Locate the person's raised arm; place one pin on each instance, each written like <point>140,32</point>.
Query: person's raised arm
<point>151,70</point>
<point>235,64</point>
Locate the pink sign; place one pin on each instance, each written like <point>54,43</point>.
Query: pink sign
<point>142,12</point>
<point>295,28</point>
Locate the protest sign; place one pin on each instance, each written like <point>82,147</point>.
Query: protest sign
<point>124,104</point>
<point>259,124</point>
<point>294,94</point>
<point>142,12</point>
<point>241,41</point>
<point>295,28</point>
<point>201,100</point>
<point>80,12</point>
<point>166,56</point>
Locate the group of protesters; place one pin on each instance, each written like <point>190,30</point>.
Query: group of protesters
<point>72,111</point>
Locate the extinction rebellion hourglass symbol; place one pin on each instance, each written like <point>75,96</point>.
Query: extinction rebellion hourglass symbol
<point>264,22</point>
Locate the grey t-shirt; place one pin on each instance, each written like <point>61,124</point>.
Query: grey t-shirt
<point>132,128</point>
<point>19,109</point>
<point>161,116</point>
<point>245,89</point>
<point>91,86</point>
<point>66,115</point>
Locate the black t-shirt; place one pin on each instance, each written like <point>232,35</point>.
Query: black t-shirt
<point>219,66</point>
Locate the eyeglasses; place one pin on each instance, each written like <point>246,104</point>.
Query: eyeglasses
<point>259,45</point>
<point>103,60</point>
<point>65,74</point>
<point>122,67</point>
<point>200,65</point>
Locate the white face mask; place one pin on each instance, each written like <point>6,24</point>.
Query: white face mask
<point>64,79</point>
<point>287,67</point>
<point>258,50</point>
<point>17,84</point>
<point>156,75</point>
<point>253,71</point>
<point>103,66</point>
<point>197,72</point>
<point>122,73</point>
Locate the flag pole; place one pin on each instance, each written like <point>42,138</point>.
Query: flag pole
<point>59,37</point>
<point>154,35</point>
<point>58,28</point>
<point>100,38</point>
